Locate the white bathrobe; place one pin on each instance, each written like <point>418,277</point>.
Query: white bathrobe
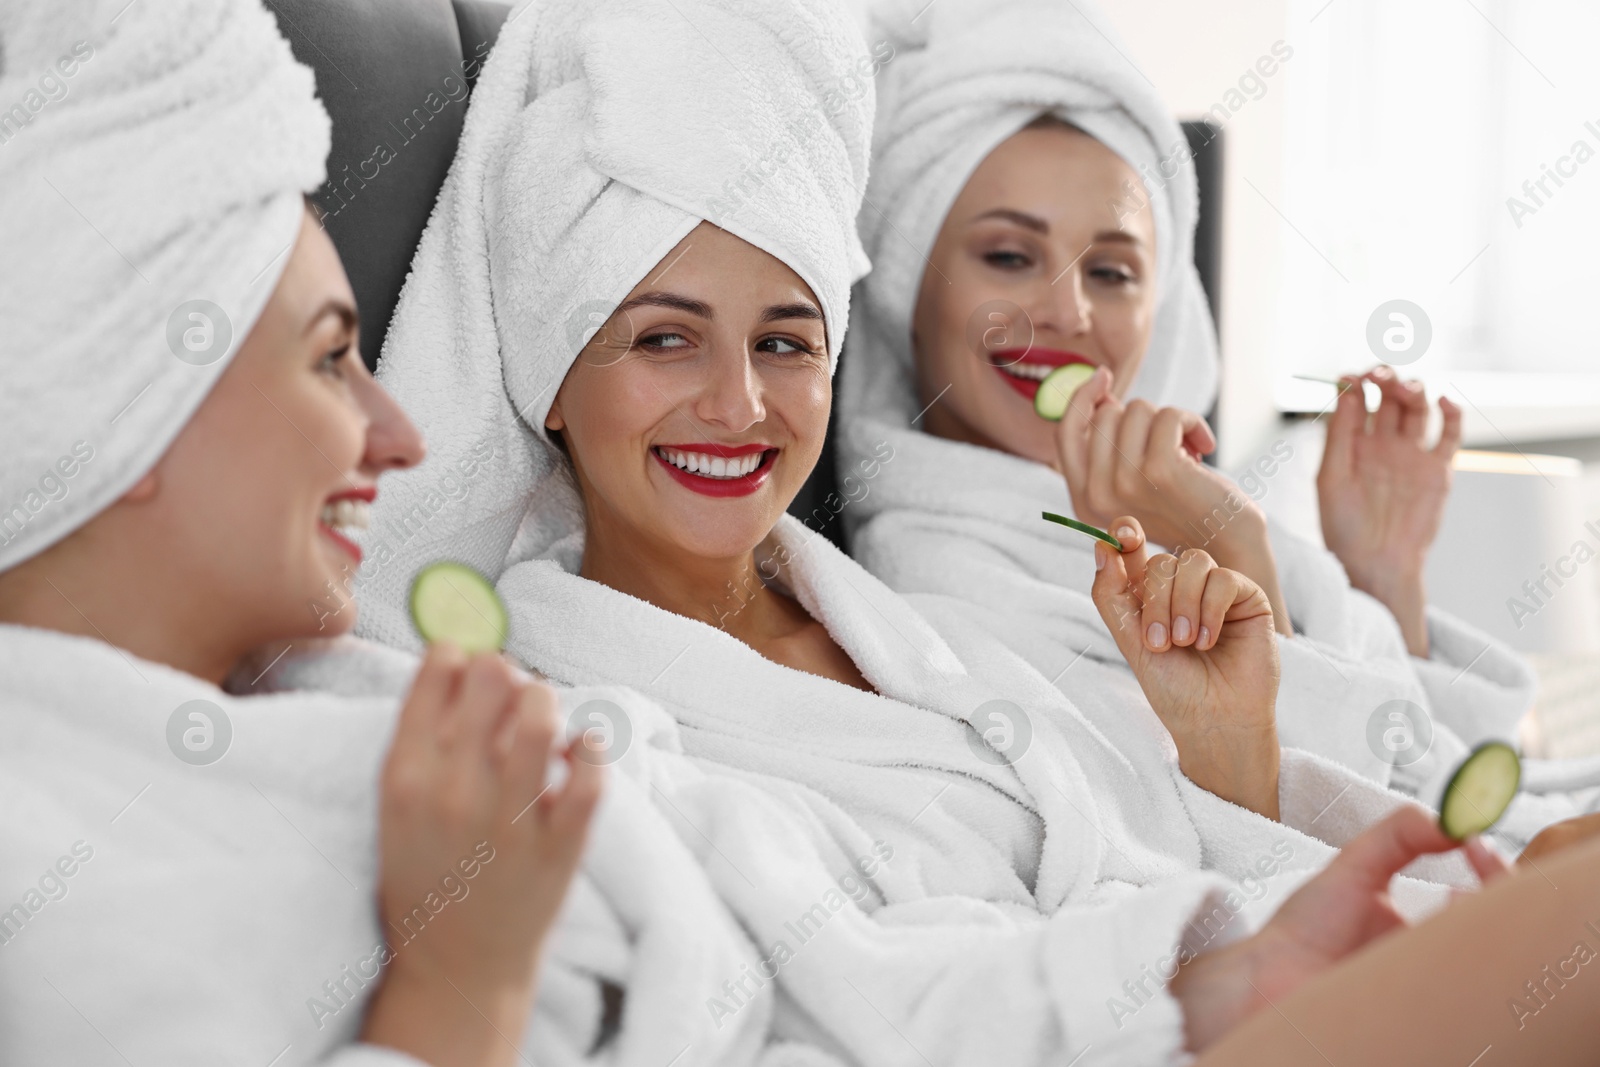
<point>947,519</point>
<point>159,911</point>
<point>1081,824</point>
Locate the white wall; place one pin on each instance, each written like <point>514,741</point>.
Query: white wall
<point>1194,53</point>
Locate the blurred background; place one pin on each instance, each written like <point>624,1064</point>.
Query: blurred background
<point>1445,153</point>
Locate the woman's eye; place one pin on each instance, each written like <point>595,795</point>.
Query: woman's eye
<point>664,340</point>
<point>330,363</point>
<point>783,346</point>
<point>1006,259</point>
<point>1115,275</point>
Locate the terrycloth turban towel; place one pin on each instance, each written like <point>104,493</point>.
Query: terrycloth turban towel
<point>966,75</point>
<point>600,133</point>
<point>152,160</point>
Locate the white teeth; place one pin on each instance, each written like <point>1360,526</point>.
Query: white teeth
<point>1033,372</point>
<point>711,466</point>
<point>347,513</point>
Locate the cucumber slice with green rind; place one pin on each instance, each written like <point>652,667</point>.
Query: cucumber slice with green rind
<point>1055,392</point>
<point>1083,527</point>
<point>1480,790</point>
<point>452,602</point>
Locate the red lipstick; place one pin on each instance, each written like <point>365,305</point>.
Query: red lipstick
<point>368,494</point>
<point>705,484</point>
<point>1031,357</point>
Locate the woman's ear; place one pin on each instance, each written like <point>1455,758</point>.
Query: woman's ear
<point>143,489</point>
<point>553,420</point>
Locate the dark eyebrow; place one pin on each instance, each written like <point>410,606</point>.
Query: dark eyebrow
<point>335,306</point>
<point>668,300</point>
<point>778,312</point>
<point>1020,218</point>
<point>1038,225</point>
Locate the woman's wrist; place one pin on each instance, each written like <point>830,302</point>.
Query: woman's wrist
<point>1404,593</point>
<point>424,1013</point>
<point>1239,766</point>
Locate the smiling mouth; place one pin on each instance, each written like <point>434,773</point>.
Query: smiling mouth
<point>717,470</point>
<point>1024,369</point>
<point>343,513</point>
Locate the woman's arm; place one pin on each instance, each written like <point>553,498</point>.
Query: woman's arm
<point>464,790</point>
<point>1333,978</point>
<point>1382,493</point>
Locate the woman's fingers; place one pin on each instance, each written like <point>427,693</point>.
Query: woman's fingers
<point>1174,429</point>
<point>570,808</point>
<point>1075,430</point>
<point>1386,420</point>
<point>1413,401</point>
<point>1188,591</point>
<point>531,733</point>
<point>1373,858</point>
<point>1450,435</point>
<point>1348,423</point>
<point>1159,579</point>
<point>1115,591</point>
<point>433,691</point>
<point>1488,864</point>
<point>1229,597</point>
<point>1104,426</point>
<point>487,687</point>
<point>1133,446</point>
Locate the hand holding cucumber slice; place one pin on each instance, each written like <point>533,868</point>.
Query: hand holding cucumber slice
<point>452,602</point>
<point>1055,392</point>
<point>1083,527</point>
<point>1480,790</point>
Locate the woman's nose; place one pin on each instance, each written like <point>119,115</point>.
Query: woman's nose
<point>731,397</point>
<point>393,440</point>
<point>1063,306</point>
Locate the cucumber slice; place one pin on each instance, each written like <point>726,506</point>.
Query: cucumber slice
<point>452,602</point>
<point>1055,392</point>
<point>1480,790</point>
<point>1083,527</point>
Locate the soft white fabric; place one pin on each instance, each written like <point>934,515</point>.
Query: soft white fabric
<point>600,133</point>
<point>1073,816</point>
<point>219,899</point>
<point>966,75</point>
<point>857,944</point>
<point>166,167</point>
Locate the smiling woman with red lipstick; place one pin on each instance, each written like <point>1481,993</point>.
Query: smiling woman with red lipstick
<point>692,419</point>
<point>199,389</point>
<point>1049,221</point>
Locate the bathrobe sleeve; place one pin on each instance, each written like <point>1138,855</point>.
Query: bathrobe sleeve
<point>1477,686</point>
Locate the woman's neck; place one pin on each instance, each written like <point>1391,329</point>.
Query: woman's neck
<point>725,592</point>
<point>61,590</point>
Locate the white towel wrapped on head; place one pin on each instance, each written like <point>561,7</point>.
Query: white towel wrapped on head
<point>169,171</point>
<point>966,75</point>
<point>599,135</point>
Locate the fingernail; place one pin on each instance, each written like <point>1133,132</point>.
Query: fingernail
<point>1126,533</point>
<point>1205,636</point>
<point>1158,635</point>
<point>1099,558</point>
<point>1180,628</point>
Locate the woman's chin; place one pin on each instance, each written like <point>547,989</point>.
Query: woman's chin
<point>727,530</point>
